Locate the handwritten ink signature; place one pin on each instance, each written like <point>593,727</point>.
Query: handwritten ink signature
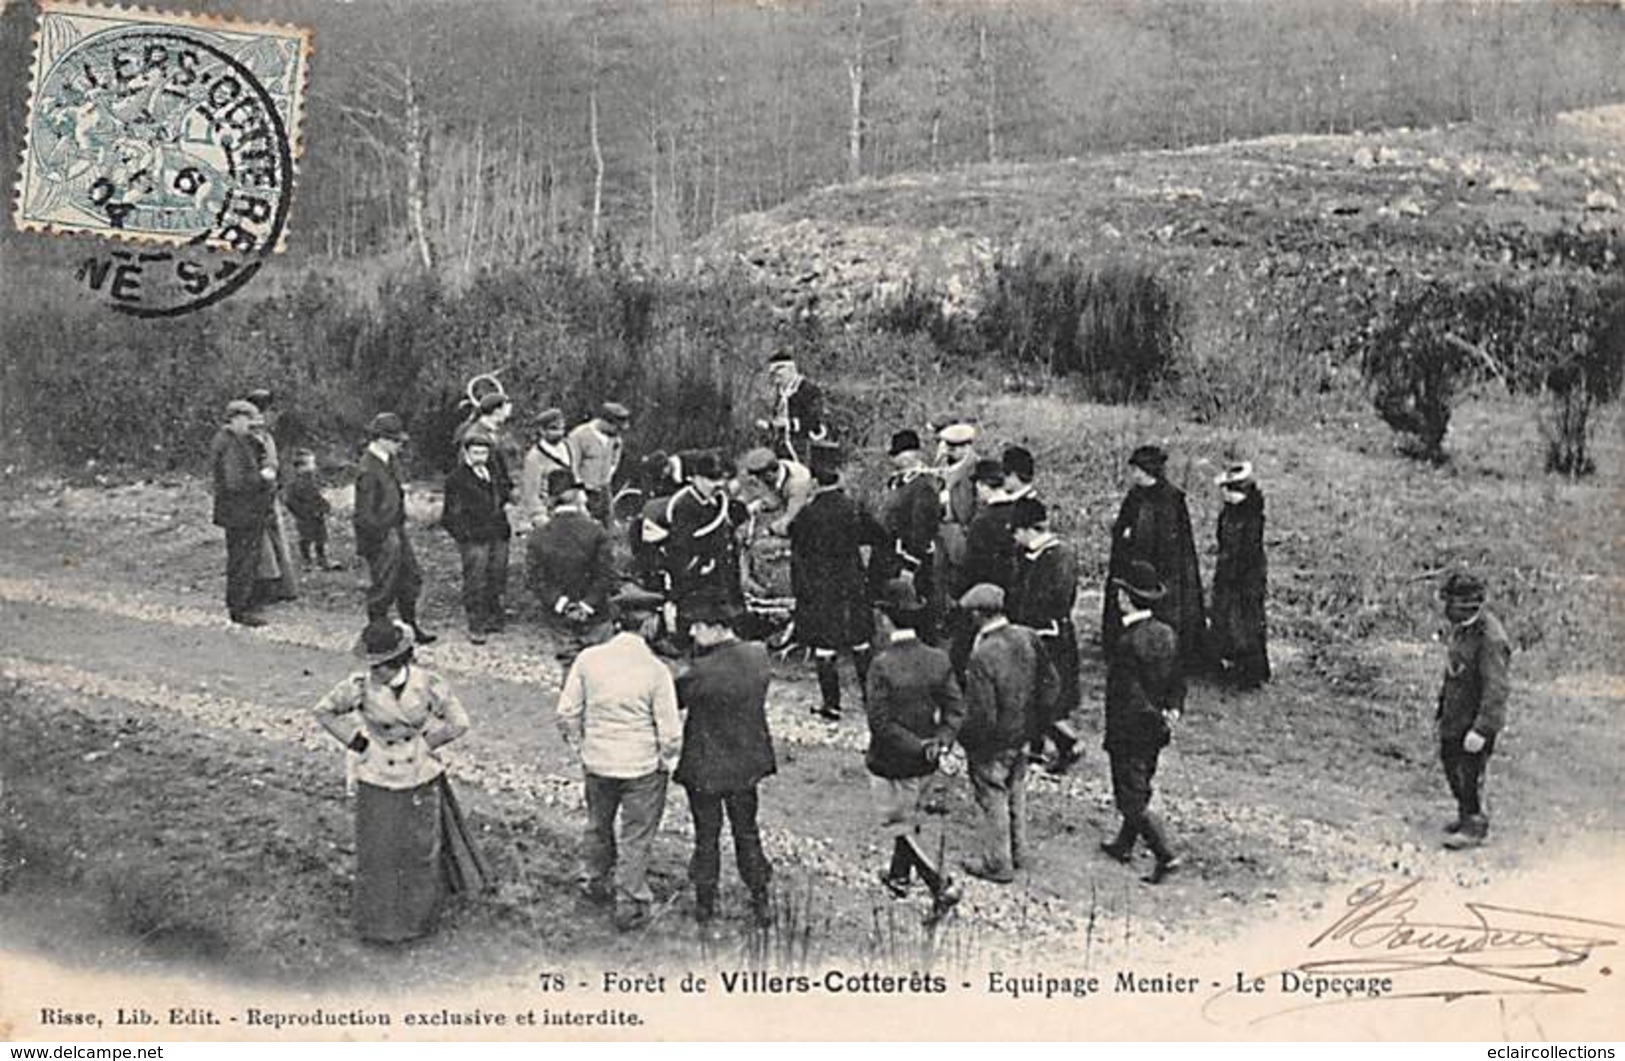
<point>1380,950</point>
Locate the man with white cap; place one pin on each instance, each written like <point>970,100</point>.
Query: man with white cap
<point>956,448</point>
<point>798,409</point>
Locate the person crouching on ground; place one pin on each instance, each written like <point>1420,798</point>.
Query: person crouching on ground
<point>1009,686</point>
<point>1472,703</point>
<point>915,710</point>
<point>727,750</point>
<point>1145,694</point>
<point>570,567</point>
<point>618,714</point>
<point>412,847</point>
<point>476,517</point>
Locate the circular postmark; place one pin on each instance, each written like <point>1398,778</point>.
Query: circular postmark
<point>161,135</point>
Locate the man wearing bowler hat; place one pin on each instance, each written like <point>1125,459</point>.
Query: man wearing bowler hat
<point>1472,702</point>
<point>243,492</point>
<point>1145,695</point>
<point>380,527</point>
<point>727,751</point>
<point>570,566</point>
<point>597,446</point>
<point>618,714</point>
<point>832,613</point>
<point>915,711</point>
<point>911,512</point>
<point>1009,687</point>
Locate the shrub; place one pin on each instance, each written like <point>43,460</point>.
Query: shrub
<point>1414,371</point>
<point>1584,373</point>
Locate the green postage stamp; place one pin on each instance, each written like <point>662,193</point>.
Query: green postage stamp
<point>165,128</point>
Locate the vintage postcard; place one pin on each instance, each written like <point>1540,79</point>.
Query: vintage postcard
<point>846,519</point>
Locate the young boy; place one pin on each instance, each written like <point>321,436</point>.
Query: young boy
<point>303,496</point>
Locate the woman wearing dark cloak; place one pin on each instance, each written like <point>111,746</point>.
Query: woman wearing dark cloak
<point>1238,639</point>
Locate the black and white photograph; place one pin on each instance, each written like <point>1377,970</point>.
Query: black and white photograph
<point>812,519</point>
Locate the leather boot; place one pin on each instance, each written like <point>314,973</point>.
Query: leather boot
<point>829,687</point>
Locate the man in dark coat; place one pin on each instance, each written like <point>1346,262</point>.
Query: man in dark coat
<point>700,548</point>
<point>911,513</point>
<point>1237,636</point>
<point>727,750</point>
<point>243,492</point>
<point>798,410</point>
<point>832,611</point>
<point>915,710</point>
<point>1009,686</point>
<point>989,555</point>
<point>1472,703</point>
<point>1145,695</point>
<point>1154,525</point>
<point>476,517</point>
<point>570,566</point>
<point>380,527</point>
<point>1045,586</point>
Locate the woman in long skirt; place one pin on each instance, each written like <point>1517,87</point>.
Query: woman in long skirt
<point>412,847</point>
<point>1239,639</point>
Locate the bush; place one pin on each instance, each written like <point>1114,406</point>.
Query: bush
<point>1582,375</point>
<point>1414,371</point>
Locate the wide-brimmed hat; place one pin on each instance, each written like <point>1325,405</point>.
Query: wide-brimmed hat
<point>983,597</point>
<point>384,640</point>
<point>1462,588</point>
<point>1149,459</point>
<point>903,441</point>
<point>615,411</point>
<point>239,407</point>
<point>1141,580</point>
<point>387,425</point>
<point>760,459</point>
<point>1235,475</point>
<point>899,595</point>
<point>634,598</point>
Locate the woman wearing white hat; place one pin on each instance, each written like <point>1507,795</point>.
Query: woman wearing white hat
<point>1238,639</point>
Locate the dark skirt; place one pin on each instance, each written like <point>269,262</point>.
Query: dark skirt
<point>412,851</point>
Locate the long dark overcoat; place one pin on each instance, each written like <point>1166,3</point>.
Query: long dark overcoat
<point>726,745</point>
<point>1238,636</point>
<point>827,573</point>
<point>1154,525</point>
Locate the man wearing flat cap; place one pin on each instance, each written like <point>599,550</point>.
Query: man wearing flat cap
<point>1154,525</point>
<point>727,751</point>
<point>1145,695</point>
<point>380,527</point>
<point>827,577</point>
<point>773,488</point>
<point>989,555</point>
<point>618,714</point>
<point>1472,702</point>
<point>243,492</point>
<point>911,512</point>
<point>549,452</point>
<point>597,446</point>
<point>570,567</point>
<point>1009,686</point>
<point>798,410</point>
<point>490,419</point>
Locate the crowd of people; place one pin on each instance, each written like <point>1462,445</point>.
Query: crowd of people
<point>950,594</point>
